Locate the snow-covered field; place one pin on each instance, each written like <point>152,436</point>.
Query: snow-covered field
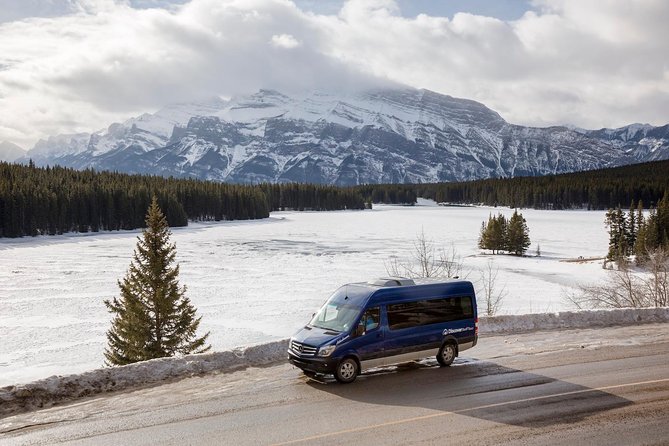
<point>258,281</point>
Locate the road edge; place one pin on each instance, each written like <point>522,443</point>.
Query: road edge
<point>56,389</point>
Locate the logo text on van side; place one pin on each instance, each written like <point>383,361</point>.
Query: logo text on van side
<point>457,330</point>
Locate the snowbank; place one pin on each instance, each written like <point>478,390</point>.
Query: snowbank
<point>571,319</point>
<point>46,392</point>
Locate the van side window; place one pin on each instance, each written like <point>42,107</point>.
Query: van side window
<point>432,311</point>
<point>371,319</point>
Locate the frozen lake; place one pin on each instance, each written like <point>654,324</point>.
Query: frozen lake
<point>260,280</point>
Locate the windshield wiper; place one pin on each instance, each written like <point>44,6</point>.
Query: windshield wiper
<point>326,328</point>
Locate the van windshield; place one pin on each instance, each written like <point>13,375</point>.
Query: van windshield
<point>341,310</point>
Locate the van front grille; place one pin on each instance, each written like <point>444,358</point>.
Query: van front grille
<point>302,349</point>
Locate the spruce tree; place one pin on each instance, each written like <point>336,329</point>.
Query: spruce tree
<point>616,221</point>
<point>640,248</point>
<point>152,317</point>
<point>484,235</point>
<point>493,234</point>
<point>499,233</point>
<point>663,221</point>
<point>631,228</point>
<point>640,221</point>
<point>518,235</point>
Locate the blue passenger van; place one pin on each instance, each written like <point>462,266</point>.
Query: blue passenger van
<point>388,321</point>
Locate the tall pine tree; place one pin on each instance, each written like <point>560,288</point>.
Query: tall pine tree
<point>152,317</point>
<point>518,235</point>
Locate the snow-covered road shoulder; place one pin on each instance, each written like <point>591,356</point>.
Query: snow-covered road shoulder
<point>46,392</point>
<point>520,323</point>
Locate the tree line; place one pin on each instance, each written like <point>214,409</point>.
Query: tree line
<point>389,193</point>
<point>313,197</point>
<point>643,235</point>
<point>55,200</point>
<point>637,233</point>
<point>595,189</point>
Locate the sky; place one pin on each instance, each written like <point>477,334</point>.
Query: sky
<point>78,65</point>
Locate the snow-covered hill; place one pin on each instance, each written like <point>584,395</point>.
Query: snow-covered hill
<point>10,152</point>
<point>378,136</point>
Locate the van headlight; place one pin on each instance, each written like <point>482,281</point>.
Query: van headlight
<point>326,351</point>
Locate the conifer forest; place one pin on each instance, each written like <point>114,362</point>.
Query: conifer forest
<point>55,200</point>
<point>595,189</point>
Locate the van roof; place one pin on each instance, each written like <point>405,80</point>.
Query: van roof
<point>378,291</point>
<point>392,281</point>
<point>384,282</point>
<point>383,290</point>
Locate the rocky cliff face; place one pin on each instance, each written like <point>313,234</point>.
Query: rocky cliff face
<point>381,136</point>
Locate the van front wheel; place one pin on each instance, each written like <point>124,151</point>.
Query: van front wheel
<point>446,354</point>
<point>347,371</point>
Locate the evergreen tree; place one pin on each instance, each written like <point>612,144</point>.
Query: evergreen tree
<point>640,248</point>
<point>663,221</point>
<point>483,235</point>
<point>152,318</point>
<point>631,227</point>
<point>616,221</point>
<point>493,234</point>
<point>499,233</point>
<point>639,217</point>
<point>652,230</point>
<point>518,235</point>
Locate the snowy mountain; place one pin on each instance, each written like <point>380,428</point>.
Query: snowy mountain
<point>379,136</point>
<point>10,152</point>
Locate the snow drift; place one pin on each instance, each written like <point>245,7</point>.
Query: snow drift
<point>45,392</point>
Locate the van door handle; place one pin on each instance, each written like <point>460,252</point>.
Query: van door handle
<point>379,335</point>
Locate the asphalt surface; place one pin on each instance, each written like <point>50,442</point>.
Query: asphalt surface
<point>600,387</point>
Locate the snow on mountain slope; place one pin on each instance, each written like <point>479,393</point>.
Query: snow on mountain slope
<point>163,121</point>
<point>60,145</point>
<point>10,152</point>
<point>385,135</point>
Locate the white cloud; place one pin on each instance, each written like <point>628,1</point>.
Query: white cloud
<point>592,63</point>
<point>284,41</point>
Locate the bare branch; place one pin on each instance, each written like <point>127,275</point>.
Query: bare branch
<point>492,295</point>
<point>628,288</point>
<point>426,260</point>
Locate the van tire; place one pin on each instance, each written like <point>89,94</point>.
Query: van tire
<point>347,370</point>
<point>447,354</point>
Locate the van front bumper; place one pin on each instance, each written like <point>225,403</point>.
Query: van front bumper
<point>313,364</point>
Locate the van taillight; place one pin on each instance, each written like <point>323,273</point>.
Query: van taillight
<point>476,326</point>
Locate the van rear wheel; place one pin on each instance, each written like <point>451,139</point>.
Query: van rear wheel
<point>347,371</point>
<point>446,354</point>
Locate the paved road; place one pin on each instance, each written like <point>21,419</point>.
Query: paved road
<point>606,386</point>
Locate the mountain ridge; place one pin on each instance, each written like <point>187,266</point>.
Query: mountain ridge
<point>401,135</point>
